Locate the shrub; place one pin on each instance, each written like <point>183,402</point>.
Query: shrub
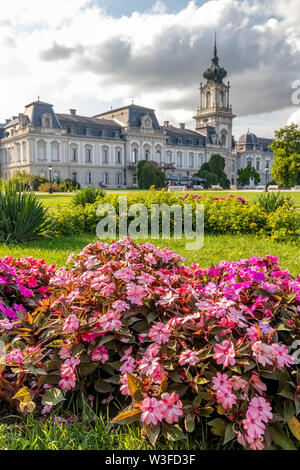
<point>22,216</point>
<point>87,195</point>
<point>270,202</point>
<point>221,215</point>
<point>45,188</point>
<point>68,186</point>
<point>187,344</point>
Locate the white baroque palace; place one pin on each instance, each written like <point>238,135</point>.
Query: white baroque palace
<point>106,148</point>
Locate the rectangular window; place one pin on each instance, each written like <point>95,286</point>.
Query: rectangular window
<point>74,154</point>
<point>118,157</point>
<point>88,155</point>
<point>179,160</point>
<point>105,156</point>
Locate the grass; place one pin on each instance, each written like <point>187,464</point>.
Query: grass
<point>216,248</point>
<point>97,434</point>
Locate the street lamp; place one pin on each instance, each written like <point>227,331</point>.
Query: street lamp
<point>267,174</point>
<point>50,179</point>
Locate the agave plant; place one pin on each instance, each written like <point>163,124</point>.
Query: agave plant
<point>270,202</point>
<point>87,195</point>
<point>22,216</point>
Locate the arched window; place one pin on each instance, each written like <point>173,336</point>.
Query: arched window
<point>135,155</point>
<point>118,156</point>
<point>105,155</point>
<point>257,165</point>
<point>147,155</point>
<point>191,160</point>
<point>74,153</point>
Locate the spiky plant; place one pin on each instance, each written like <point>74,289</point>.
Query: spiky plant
<point>87,195</point>
<point>271,201</point>
<point>22,216</point>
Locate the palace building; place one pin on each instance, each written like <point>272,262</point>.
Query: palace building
<point>107,147</point>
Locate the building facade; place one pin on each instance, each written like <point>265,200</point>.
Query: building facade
<point>106,148</point>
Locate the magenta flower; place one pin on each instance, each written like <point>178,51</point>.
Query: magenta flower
<point>71,324</point>
<point>226,398</point>
<point>160,333</point>
<point>225,354</point>
<point>151,411</point>
<point>135,294</point>
<point>14,357</point>
<point>100,354</point>
<point>188,357</point>
<point>171,407</point>
<point>110,321</point>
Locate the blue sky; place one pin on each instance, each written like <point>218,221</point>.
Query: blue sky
<point>96,54</point>
<point>127,7</point>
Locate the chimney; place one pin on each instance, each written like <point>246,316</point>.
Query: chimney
<point>166,123</point>
<point>182,125</point>
<point>73,112</point>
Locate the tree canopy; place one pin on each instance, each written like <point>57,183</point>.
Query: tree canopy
<point>149,174</point>
<point>244,175</point>
<point>213,172</point>
<point>286,149</point>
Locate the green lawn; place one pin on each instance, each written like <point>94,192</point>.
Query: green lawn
<point>216,248</point>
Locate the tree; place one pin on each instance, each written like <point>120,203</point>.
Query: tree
<point>149,174</point>
<point>213,172</point>
<point>286,149</point>
<point>244,175</point>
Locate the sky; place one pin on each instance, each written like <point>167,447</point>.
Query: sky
<point>94,55</point>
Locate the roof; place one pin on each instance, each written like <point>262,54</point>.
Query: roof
<point>75,119</point>
<point>37,109</point>
<point>186,136</point>
<point>135,113</point>
<point>124,107</point>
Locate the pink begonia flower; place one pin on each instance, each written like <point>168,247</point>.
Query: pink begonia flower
<point>124,387</point>
<point>14,357</point>
<point>68,383</point>
<point>136,294</point>
<point>221,381</point>
<point>226,398</point>
<point>260,409</point>
<point>120,306</point>
<point>160,333</point>
<point>188,357</point>
<point>225,354</point>
<point>100,354</point>
<point>70,258</point>
<point>128,366</point>
<point>71,324</point>
<point>171,407</point>
<point>263,352</point>
<point>107,290</point>
<point>110,321</point>
<point>254,427</point>
<point>148,364</point>
<point>257,383</point>
<point>46,409</point>
<point>282,357</point>
<point>238,383</point>
<point>158,374</point>
<point>151,413</point>
<point>127,354</point>
<point>6,324</point>
<point>65,351</point>
<point>125,274</point>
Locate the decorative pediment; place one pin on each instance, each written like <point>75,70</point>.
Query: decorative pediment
<point>147,122</point>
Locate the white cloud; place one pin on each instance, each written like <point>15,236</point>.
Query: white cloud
<point>73,54</point>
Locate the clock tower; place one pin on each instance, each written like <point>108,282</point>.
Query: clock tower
<point>215,109</point>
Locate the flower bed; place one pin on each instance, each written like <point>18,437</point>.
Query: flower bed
<point>186,344</point>
<point>228,214</point>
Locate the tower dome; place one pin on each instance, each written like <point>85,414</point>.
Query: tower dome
<point>248,140</point>
<point>215,73</point>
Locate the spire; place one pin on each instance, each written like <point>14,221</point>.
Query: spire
<point>215,73</point>
<point>215,49</point>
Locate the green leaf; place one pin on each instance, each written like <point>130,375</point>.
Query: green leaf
<point>205,411</point>
<point>229,433</point>
<point>218,426</point>
<point>189,423</point>
<point>288,409</point>
<point>173,432</point>
<point>152,432</point>
<point>281,439</point>
<point>52,397</point>
<point>102,386</point>
<point>87,369</point>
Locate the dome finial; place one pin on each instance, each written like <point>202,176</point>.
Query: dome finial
<point>215,73</point>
